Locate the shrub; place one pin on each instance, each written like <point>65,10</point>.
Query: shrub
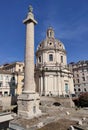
<point>83,100</point>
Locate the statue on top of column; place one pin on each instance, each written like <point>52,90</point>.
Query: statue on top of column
<point>30,8</point>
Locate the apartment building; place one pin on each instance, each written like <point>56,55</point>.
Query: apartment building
<point>80,76</point>
<point>8,82</point>
<point>15,73</point>
<point>14,67</point>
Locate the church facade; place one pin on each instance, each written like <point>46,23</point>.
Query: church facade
<point>52,75</point>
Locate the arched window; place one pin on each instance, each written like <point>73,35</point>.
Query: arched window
<point>50,57</point>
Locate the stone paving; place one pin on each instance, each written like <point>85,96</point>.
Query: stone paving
<point>52,114</point>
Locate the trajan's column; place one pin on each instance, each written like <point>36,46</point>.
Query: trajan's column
<point>28,101</point>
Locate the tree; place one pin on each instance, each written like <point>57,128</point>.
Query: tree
<point>83,100</point>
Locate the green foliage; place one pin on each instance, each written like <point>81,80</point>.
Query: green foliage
<point>83,100</point>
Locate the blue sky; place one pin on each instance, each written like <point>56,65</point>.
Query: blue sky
<point>69,18</point>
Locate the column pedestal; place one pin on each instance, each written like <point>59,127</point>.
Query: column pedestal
<point>28,105</point>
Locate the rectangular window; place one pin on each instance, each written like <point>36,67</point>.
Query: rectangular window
<point>1,77</point>
<point>87,69</point>
<point>39,58</point>
<point>7,78</point>
<point>0,84</point>
<point>82,69</point>
<point>85,89</point>
<point>34,109</point>
<point>74,89</point>
<point>13,84</point>
<point>5,93</point>
<point>50,57</point>
<point>83,78</point>
<point>19,70</point>
<point>7,84</point>
<point>66,88</point>
<point>78,80</point>
<point>79,89</point>
<point>13,78</point>
<point>77,75</point>
<point>87,77</point>
<point>74,81</point>
<point>61,59</point>
<point>0,93</point>
<point>19,65</point>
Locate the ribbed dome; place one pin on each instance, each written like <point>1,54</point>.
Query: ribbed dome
<point>50,42</point>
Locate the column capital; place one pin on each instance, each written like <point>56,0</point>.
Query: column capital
<point>30,16</point>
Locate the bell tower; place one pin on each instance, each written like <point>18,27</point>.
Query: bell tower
<point>50,32</point>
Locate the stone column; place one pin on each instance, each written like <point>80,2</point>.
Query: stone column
<point>41,86</point>
<point>29,85</point>
<point>28,101</point>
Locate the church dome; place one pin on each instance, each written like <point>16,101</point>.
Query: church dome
<point>51,51</point>
<point>51,42</point>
